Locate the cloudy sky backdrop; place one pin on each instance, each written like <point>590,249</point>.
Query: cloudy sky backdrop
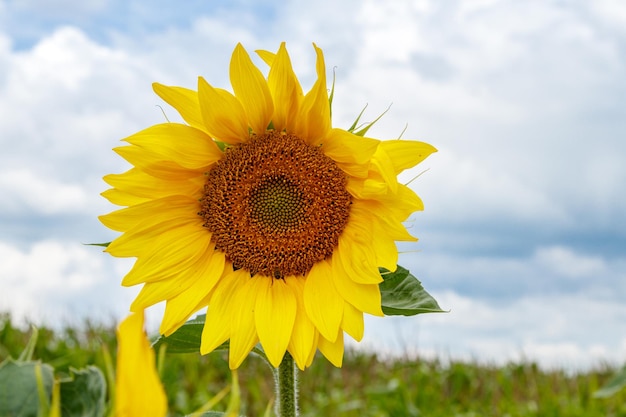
<point>524,233</point>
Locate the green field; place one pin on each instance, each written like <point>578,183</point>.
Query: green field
<point>366,385</point>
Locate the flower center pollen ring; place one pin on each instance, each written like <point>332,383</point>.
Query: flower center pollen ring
<point>275,206</point>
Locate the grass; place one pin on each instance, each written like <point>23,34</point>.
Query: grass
<point>367,385</point>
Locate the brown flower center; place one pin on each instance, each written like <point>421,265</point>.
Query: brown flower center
<point>275,205</point>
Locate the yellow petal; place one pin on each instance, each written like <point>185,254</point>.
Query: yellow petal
<point>367,188</point>
<point>314,115</point>
<point>155,164</point>
<point>403,203</point>
<point>357,261</point>
<point>352,322</point>
<point>303,342</point>
<point>191,284</point>
<point>275,314</point>
<point>355,250</point>
<point>137,183</point>
<point>173,251</point>
<point>406,153</point>
<point>322,302</point>
<point>251,89</point>
<point>267,56</point>
<point>137,386</point>
<point>365,297</point>
<point>333,351</point>
<point>386,222</point>
<point>185,101</point>
<point>171,326</point>
<point>216,329</point>
<point>155,292</point>
<point>122,198</point>
<point>385,249</point>
<point>186,146</point>
<point>152,212</point>
<point>180,307</point>
<point>223,115</point>
<point>219,317</point>
<point>351,152</point>
<point>143,238</point>
<point>286,91</point>
<point>383,166</point>
<point>243,332</point>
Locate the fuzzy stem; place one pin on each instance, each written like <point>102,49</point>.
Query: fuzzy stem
<point>286,388</point>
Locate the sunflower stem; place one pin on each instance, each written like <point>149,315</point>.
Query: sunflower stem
<point>287,388</point>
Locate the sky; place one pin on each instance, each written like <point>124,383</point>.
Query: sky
<point>523,236</point>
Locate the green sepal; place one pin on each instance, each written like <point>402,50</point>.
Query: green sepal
<point>332,95</point>
<point>104,245</point>
<point>83,393</point>
<point>19,396</point>
<point>367,127</point>
<point>403,295</point>
<point>356,121</point>
<point>221,145</point>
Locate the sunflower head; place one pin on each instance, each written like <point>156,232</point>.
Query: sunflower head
<point>261,212</point>
<point>275,206</point>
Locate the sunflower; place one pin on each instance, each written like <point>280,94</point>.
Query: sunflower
<point>258,210</point>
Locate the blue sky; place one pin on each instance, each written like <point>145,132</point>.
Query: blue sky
<point>523,237</point>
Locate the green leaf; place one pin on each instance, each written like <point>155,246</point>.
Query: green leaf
<point>617,383</point>
<point>18,387</point>
<point>208,414</point>
<point>403,294</point>
<point>187,338</point>
<point>83,393</point>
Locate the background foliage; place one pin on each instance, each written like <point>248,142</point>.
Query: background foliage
<point>367,385</point>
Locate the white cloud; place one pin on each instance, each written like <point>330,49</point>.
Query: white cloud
<point>67,101</point>
<point>24,191</point>
<point>460,186</point>
<point>611,11</point>
<point>566,263</point>
<point>53,282</point>
<point>567,331</point>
